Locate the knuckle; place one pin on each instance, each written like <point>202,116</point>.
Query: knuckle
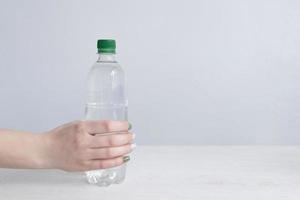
<point>80,126</point>
<point>108,152</point>
<point>109,126</point>
<point>105,125</point>
<point>102,165</point>
<point>111,141</point>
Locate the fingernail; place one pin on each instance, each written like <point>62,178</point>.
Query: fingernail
<point>133,146</point>
<point>133,136</point>
<point>129,126</point>
<point>126,159</point>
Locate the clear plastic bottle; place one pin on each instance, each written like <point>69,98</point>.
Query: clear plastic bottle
<point>106,100</point>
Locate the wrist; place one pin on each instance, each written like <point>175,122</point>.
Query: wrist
<point>43,157</point>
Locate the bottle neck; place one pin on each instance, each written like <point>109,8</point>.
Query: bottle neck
<point>106,57</point>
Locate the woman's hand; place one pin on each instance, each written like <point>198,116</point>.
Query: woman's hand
<point>87,145</point>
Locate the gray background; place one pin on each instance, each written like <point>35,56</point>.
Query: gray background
<point>199,72</point>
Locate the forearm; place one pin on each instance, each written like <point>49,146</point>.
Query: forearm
<point>22,149</point>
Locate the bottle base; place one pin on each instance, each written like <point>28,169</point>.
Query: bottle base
<point>106,177</point>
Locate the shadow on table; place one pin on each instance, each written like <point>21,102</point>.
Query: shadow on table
<point>43,177</point>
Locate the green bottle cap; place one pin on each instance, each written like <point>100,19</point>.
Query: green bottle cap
<point>106,46</point>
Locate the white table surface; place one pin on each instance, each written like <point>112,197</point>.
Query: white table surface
<point>174,172</point>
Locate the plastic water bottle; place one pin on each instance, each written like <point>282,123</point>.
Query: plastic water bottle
<point>106,100</point>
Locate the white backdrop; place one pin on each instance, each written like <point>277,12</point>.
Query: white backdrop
<point>199,72</point>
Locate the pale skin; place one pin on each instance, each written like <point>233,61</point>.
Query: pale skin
<point>76,146</point>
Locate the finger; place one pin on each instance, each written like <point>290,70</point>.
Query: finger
<point>105,126</point>
<point>110,140</point>
<point>103,164</point>
<point>111,152</point>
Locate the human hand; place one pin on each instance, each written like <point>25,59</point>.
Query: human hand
<point>87,145</point>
